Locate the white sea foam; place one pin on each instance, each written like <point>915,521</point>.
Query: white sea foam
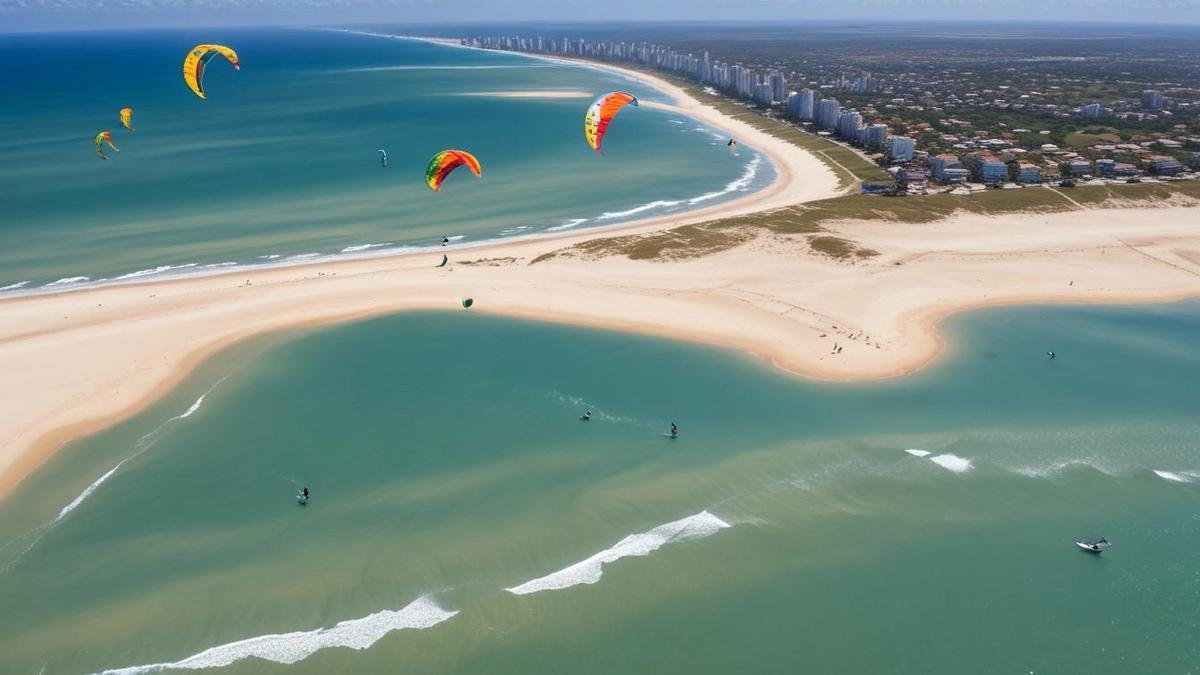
<point>364,247</point>
<point>220,264</point>
<point>657,204</point>
<point>141,446</point>
<point>13,287</point>
<point>918,453</point>
<point>456,237</point>
<point>589,571</point>
<point>272,256</point>
<point>574,222</point>
<point>289,648</point>
<point>1177,476</point>
<point>1055,468</point>
<point>514,230</point>
<point>68,280</point>
<point>675,121</point>
<point>737,185</point>
<point>153,271</point>
<point>952,462</point>
<point>302,256</point>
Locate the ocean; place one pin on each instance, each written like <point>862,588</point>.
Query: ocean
<point>281,162</point>
<point>464,519</point>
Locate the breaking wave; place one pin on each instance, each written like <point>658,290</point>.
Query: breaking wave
<point>289,648</point>
<point>589,571</point>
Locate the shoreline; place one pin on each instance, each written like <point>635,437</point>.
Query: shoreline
<point>81,360</point>
<point>786,161</point>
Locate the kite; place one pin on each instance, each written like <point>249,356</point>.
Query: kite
<point>101,139</point>
<point>446,161</point>
<point>600,114</point>
<point>126,116</point>
<point>193,65</point>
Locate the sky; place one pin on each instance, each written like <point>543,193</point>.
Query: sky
<point>37,15</point>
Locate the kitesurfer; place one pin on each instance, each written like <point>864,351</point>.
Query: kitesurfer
<point>445,240</point>
<point>304,492</point>
<point>586,416</point>
<point>1051,354</point>
<point>674,431</point>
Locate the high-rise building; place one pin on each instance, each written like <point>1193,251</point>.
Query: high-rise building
<point>848,125</point>
<point>808,104</point>
<point>1091,111</point>
<point>826,113</point>
<point>1152,98</point>
<point>876,136</point>
<point>762,93</point>
<point>901,148</point>
<point>779,88</point>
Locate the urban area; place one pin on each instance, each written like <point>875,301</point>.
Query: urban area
<point>966,118</point>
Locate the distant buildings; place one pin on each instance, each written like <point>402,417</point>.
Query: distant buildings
<point>801,104</point>
<point>1152,99</point>
<point>876,136</point>
<point>987,167</point>
<point>1162,165</point>
<point>1079,167</point>
<point>762,94</point>
<point>1091,111</point>
<point>826,113</point>
<point>779,90</point>
<point>1028,173</point>
<point>901,148</point>
<point>849,125</point>
<point>948,169</point>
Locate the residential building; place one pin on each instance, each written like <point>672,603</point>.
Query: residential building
<point>901,148</point>
<point>779,90</point>
<point>1028,173</point>
<point>948,169</point>
<point>1162,165</point>
<point>1195,162</point>
<point>801,104</point>
<point>992,170</point>
<point>762,93</point>
<point>1080,167</point>
<point>826,114</point>
<point>876,136</point>
<point>849,125</point>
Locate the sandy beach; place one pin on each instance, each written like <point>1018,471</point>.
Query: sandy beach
<point>78,361</point>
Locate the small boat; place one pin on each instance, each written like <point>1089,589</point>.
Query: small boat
<point>1096,546</point>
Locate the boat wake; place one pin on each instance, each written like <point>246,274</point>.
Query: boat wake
<point>589,571</point>
<point>289,648</point>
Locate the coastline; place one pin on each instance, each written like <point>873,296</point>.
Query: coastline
<point>81,360</point>
<point>787,161</point>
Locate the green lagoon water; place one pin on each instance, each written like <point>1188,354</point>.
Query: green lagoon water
<point>281,161</point>
<point>787,529</point>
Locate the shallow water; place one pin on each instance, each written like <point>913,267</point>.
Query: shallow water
<point>791,526</point>
<point>282,159</point>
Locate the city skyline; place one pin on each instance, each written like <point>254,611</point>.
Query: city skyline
<point>51,15</point>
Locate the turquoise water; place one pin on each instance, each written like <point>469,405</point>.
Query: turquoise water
<point>787,529</point>
<point>281,160</point>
